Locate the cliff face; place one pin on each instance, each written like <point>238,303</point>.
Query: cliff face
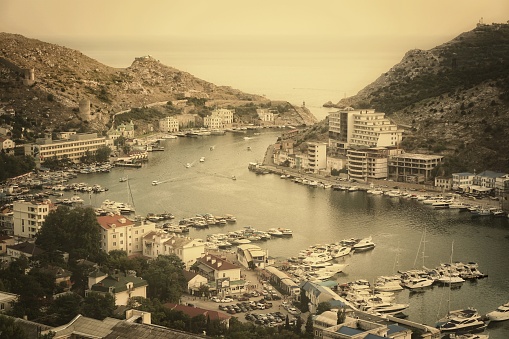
<point>63,77</point>
<point>452,100</point>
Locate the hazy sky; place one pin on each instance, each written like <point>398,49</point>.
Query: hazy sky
<point>211,27</point>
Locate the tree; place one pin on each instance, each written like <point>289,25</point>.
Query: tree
<point>322,307</point>
<point>102,154</point>
<point>11,330</point>
<point>298,326</point>
<point>341,315</point>
<point>64,309</point>
<point>165,278</point>
<point>309,326</point>
<point>98,305</point>
<point>75,231</point>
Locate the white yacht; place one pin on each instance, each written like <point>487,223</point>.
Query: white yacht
<point>501,313</point>
<point>316,258</point>
<point>275,232</point>
<point>285,231</point>
<point>340,251</point>
<point>418,283</point>
<point>364,245</point>
<point>202,159</point>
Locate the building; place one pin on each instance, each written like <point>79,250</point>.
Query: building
<point>5,241</point>
<point>502,184</point>
<point>120,286</point>
<point>265,116</point>
<point>78,145</point>
<point>120,233</point>
<point>125,130</point>
<point>462,180</point>
<point>169,125</point>
<point>64,135</point>
<point>6,220</point>
<point>362,128</point>
<point>317,157</point>
<point>283,282</point>
<point>223,276</point>
<point>27,249</point>
<point>192,312</point>
<point>6,300</point>
<point>28,217</point>
<point>414,168</point>
<point>445,183</point>
<point>251,256</point>
<point>487,179</point>
<point>157,243</point>
<point>194,282</point>
<point>369,163</point>
<point>317,294</point>
<point>6,144</point>
<point>220,118</point>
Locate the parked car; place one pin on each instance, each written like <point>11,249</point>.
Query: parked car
<point>227,300</point>
<point>215,299</point>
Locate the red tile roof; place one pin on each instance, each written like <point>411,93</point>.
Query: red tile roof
<point>107,221</point>
<point>216,263</point>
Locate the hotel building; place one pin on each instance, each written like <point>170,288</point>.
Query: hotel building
<point>415,168</point>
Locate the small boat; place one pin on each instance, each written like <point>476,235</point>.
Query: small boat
<point>155,183</point>
<point>234,177</point>
<point>212,148</point>
<point>248,148</point>
<point>188,165</point>
<point>286,232</point>
<point>418,283</point>
<point>202,159</point>
<point>365,244</point>
<point>500,314</point>
<point>275,232</point>
<point>341,251</point>
<point>123,179</point>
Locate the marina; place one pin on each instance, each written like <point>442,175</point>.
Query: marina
<point>316,216</point>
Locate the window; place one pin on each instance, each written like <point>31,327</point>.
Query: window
<point>114,244</point>
<point>114,236</point>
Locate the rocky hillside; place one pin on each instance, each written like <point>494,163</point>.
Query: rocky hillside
<point>64,77</point>
<point>452,99</point>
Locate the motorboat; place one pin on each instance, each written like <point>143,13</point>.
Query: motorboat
<point>286,232</point>
<point>377,305</point>
<point>155,183</point>
<point>418,283</point>
<point>122,179</point>
<point>388,284</point>
<point>500,314</point>
<point>316,258</point>
<point>451,279</point>
<point>76,200</point>
<point>462,325</point>
<point>202,159</point>
<point>275,232</point>
<point>365,244</point>
<point>340,251</point>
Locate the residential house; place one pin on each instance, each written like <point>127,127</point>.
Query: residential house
<point>266,116</point>
<point>251,256</point>
<point>121,286</point>
<point>5,241</point>
<point>223,276</point>
<point>488,179</point>
<point>192,312</point>
<point>445,183</point>
<point>120,233</point>
<point>6,145</point>
<point>157,243</point>
<point>6,301</point>
<point>125,130</point>
<point>62,276</point>
<point>317,294</point>
<point>27,249</point>
<point>194,282</point>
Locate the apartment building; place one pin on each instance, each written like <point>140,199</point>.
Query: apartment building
<point>76,147</point>
<point>28,217</point>
<point>219,119</point>
<point>120,233</point>
<point>316,156</point>
<point>157,243</point>
<point>462,180</point>
<point>169,125</point>
<point>411,167</point>
<point>362,128</point>
<point>368,163</point>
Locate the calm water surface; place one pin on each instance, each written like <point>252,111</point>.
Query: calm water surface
<point>319,216</point>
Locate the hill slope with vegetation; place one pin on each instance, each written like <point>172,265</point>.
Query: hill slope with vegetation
<point>452,99</point>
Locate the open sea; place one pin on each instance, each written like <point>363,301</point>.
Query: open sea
<point>318,216</point>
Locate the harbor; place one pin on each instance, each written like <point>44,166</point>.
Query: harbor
<point>315,215</point>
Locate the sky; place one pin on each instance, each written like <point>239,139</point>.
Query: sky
<point>368,30</point>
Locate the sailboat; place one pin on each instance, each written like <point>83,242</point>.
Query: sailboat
<point>448,274</point>
<point>418,279</point>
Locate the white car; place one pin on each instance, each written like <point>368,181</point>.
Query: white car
<point>215,299</point>
<point>227,300</point>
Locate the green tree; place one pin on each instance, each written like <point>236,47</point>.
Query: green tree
<point>102,154</point>
<point>322,307</point>
<point>11,330</point>
<point>75,231</point>
<point>165,278</point>
<point>309,326</point>
<point>341,315</point>
<point>98,305</point>
<point>64,309</point>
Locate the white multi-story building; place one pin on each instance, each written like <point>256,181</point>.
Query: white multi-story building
<point>219,119</point>
<point>120,233</point>
<point>317,156</point>
<point>76,147</point>
<point>169,124</point>
<point>157,243</point>
<point>362,128</point>
<point>411,167</point>
<point>251,256</point>
<point>368,163</point>
<point>28,217</point>
<point>462,180</point>
<point>6,144</point>
<point>265,115</point>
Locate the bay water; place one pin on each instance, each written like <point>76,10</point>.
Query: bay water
<point>318,216</point>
